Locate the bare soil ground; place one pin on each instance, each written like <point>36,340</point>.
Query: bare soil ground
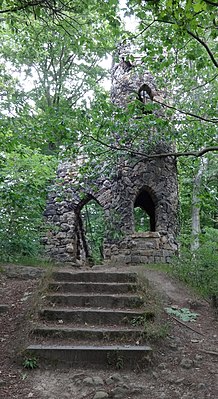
<point>184,364</point>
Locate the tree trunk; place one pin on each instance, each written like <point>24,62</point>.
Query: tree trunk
<point>196,205</point>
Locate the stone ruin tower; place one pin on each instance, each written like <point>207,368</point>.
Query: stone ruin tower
<point>149,184</point>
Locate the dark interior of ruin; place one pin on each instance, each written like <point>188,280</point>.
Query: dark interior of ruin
<point>145,202</point>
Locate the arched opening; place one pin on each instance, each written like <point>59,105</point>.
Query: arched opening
<point>144,212</point>
<point>91,226</point>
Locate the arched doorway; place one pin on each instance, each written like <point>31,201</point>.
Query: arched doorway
<point>144,211</point>
<point>90,232</point>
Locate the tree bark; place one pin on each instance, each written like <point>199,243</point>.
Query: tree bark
<point>196,204</point>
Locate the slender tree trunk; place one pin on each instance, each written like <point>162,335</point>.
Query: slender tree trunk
<point>196,204</point>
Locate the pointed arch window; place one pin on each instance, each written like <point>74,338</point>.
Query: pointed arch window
<point>144,212</point>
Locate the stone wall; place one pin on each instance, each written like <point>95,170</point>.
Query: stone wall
<point>117,194</point>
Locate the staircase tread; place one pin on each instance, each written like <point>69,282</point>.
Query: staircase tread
<point>95,272</point>
<point>91,347</point>
<point>94,283</point>
<point>94,328</point>
<point>92,294</point>
<point>92,310</point>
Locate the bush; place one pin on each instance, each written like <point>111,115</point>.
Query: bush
<point>200,270</point>
<point>25,175</point>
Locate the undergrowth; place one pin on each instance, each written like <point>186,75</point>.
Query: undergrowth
<point>199,270</point>
<point>154,323</point>
<point>28,261</point>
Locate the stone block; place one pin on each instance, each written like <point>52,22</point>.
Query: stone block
<point>65,241</point>
<point>137,259</point>
<point>114,249</point>
<point>164,240</point>
<point>55,219</point>
<point>147,244</point>
<point>49,212</point>
<point>159,252</point>
<point>159,259</point>
<point>130,190</point>
<point>65,227</point>
<point>49,247</point>
<point>145,252</point>
<point>61,235</point>
<point>150,259</point>
<point>127,181</point>
<point>150,243</point>
<point>107,253</point>
<point>70,234</point>
<point>54,250</point>
<point>124,245</point>
<point>122,259</point>
<point>61,250</point>
<point>63,218</point>
<point>70,248</point>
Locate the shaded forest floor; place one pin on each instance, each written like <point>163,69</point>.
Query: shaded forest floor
<point>184,364</point>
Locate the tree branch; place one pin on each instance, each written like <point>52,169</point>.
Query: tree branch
<point>196,38</point>
<point>202,118</point>
<point>144,30</point>
<point>203,84</point>
<point>185,325</point>
<point>23,7</point>
<point>205,46</point>
<point>196,154</point>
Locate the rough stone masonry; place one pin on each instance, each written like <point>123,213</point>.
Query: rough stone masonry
<point>149,184</point>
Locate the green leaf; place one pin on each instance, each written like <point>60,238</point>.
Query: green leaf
<point>183,314</point>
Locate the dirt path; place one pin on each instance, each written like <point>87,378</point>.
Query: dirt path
<point>185,365</point>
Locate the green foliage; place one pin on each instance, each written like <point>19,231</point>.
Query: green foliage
<point>37,261</point>
<point>208,198</point>
<point>24,176</point>
<point>142,220</point>
<point>119,363</point>
<point>94,226</point>
<point>77,19</point>
<point>183,314</point>
<point>30,363</point>
<point>199,270</point>
<point>187,18</point>
<point>141,320</point>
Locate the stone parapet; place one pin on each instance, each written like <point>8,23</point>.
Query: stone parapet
<point>145,247</point>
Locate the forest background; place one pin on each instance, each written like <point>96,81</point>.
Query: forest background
<point>54,107</point>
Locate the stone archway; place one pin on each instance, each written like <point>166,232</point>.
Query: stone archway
<point>144,207</point>
<point>90,231</point>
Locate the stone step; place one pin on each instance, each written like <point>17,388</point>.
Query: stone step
<point>92,300</point>
<point>95,316</point>
<point>106,288</point>
<point>115,333</point>
<point>116,356</point>
<point>93,276</point>
<point>90,309</point>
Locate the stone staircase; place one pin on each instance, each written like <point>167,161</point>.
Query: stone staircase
<point>91,317</point>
